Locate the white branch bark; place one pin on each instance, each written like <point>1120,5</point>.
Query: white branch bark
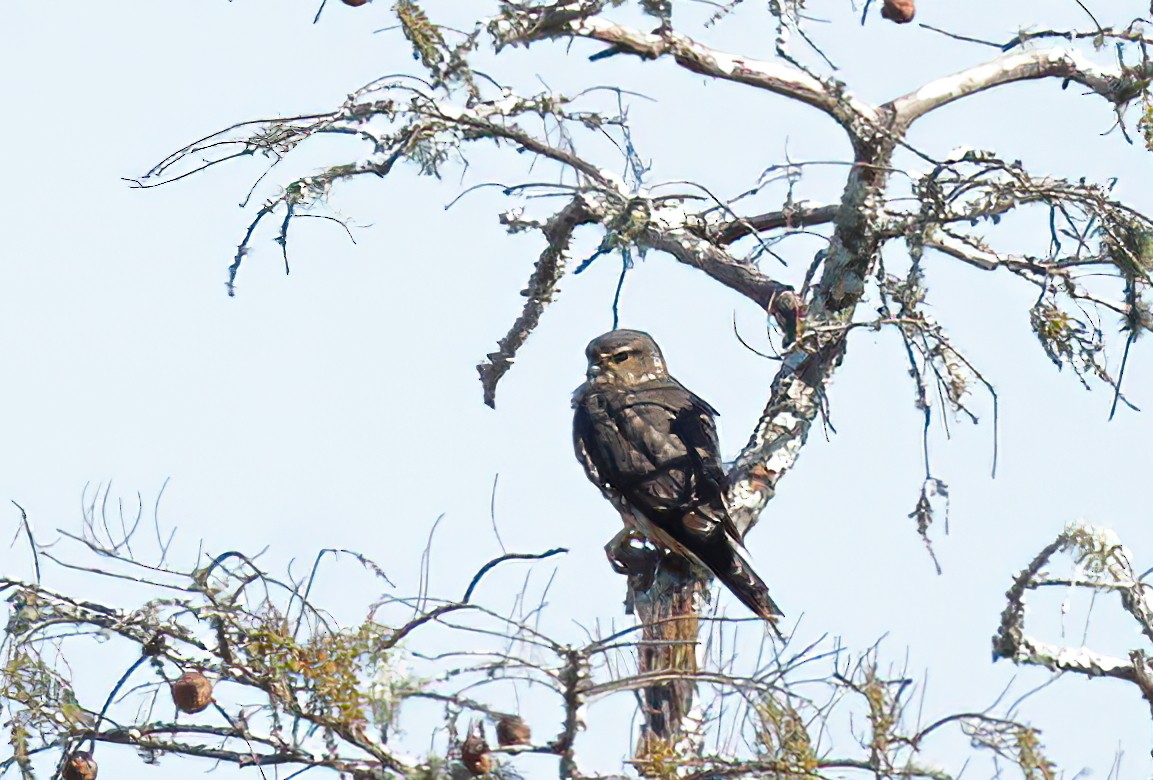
<point>781,433</point>
<point>1022,66</point>
<point>779,78</point>
<point>985,259</point>
<point>1039,272</point>
<point>1107,565</point>
<point>774,77</point>
<point>672,230</point>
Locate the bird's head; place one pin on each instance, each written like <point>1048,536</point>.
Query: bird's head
<point>625,358</point>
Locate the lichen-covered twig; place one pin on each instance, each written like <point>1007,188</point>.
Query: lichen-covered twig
<point>540,291</point>
<point>1102,564</point>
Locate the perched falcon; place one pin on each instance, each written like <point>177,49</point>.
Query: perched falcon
<point>651,446</point>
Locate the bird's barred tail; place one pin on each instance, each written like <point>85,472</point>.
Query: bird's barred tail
<point>752,591</point>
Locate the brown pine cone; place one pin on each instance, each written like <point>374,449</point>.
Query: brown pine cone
<point>192,693</point>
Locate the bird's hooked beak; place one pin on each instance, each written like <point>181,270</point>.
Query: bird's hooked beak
<point>595,370</point>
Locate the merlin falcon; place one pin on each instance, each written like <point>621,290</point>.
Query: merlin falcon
<point>651,446</point>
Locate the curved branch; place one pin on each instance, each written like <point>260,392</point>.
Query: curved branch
<point>483,121</point>
<point>1100,553</point>
<point>507,557</point>
<point>1023,66</point>
<point>694,251</point>
<point>784,80</point>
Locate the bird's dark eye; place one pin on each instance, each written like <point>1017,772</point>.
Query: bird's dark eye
<point>620,357</point>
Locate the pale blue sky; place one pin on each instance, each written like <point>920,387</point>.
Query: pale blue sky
<point>339,406</point>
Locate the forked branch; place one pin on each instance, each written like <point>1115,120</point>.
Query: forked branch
<point>1104,565</point>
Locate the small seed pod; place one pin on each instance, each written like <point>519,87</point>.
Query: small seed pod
<point>192,693</point>
<point>474,753</point>
<point>899,11</point>
<point>511,730</point>
<point>79,766</point>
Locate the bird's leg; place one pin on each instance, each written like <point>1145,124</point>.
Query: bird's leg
<point>631,554</point>
<point>614,549</point>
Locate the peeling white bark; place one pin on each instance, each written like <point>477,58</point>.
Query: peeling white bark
<point>1102,563</point>
<point>779,436</point>
<point>672,230</point>
<point>981,257</point>
<point>1071,659</point>
<point>1019,66</point>
<point>775,77</point>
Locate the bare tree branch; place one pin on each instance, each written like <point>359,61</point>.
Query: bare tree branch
<point>541,289</point>
<point>803,216</point>
<point>1106,566</point>
<point>1021,66</point>
<point>563,20</point>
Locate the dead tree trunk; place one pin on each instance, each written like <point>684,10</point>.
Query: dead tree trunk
<point>671,724</point>
<point>665,592</point>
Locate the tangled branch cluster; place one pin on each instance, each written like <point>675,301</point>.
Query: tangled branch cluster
<point>226,662</point>
<point>1101,565</point>
<point>1094,267</point>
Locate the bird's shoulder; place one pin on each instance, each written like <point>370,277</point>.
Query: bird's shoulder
<point>672,395</point>
<point>663,392</point>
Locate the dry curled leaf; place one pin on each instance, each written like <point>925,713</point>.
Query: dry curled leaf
<point>512,730</point>
<point>192,693</point>
<point>899,11</point>
<point>474,751</point>
<point>79,766</point>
